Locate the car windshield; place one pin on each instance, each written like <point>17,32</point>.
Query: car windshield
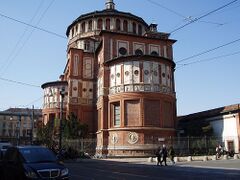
<point>34,155</point>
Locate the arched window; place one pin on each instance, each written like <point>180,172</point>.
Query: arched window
<point>107,24</point>
<point>77,29</point>
<point>118,25</point>
<point>72,32</point>
<point>87,45</point>
<point>125,26</point>
<point>139,29</point>
<point>134,27</point>
<point>83,27</point>
<point>99,24</point>
<point>90,25</point>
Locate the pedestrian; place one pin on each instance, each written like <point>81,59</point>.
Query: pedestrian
<point>159,156</point>
<point>164,153</point>
<point>171,153</point>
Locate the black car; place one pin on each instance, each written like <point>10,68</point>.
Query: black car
<point>32,162</point>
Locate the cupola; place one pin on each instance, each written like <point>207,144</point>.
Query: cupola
<point>110,4</point>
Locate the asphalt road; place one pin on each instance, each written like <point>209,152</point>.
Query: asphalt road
<point>102,169</point>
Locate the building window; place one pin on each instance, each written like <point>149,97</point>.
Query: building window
<point>125,26</point>
<point>154,53</point>
<point>139,52</point>
<point>122,51</point>
<point>134,27</point>
<point>87,45</point>
<point>83,27</point>
<point>75,65</point>
<point>107,24</point>
<point>118,24</point>
<point>90,25</point>
<point>116,114</point>
<point>139,29</point>
<point>99,24</point>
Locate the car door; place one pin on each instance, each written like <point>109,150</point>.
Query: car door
<point>12,166</point>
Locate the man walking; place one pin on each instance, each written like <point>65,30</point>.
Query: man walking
<point>164,155</point>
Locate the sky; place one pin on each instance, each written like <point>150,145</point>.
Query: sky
<point>33,47</point>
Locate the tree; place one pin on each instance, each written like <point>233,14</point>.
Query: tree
<point>73,129</point>
<point>198,128</point>
<point>45,134</point>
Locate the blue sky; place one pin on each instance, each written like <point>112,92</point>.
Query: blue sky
<point>204,82</point>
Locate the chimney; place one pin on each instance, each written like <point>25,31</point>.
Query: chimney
<point>153,27</point>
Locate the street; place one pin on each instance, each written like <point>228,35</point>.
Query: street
<point>102,169</point>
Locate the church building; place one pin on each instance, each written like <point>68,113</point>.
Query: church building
<point>120,81</point>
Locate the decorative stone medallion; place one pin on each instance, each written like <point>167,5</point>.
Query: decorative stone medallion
<point>114,138</point>
<point>132,138</point>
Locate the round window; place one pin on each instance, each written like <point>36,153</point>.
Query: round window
<point>154,53</point>
<point>163,74</point>
<point>136,72</point>
<point>126,73</point>
<point>122,51</point>
<point>118,74</point>
<point>146,72</point>
<point>139,52</point>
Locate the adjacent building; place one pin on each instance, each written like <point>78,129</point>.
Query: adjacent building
<point>20,124</point>
<point>224,121</point>
<point>120,81</point>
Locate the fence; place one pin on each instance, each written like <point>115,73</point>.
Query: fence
<point>182,145</point>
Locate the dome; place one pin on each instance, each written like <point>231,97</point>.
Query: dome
<point>108,12</point>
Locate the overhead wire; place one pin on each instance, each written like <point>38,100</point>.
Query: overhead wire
<point>29,36</point>
<point>203,16</point>
<point>207,51</point>
<point>19,82</point>
<point>13,53</point>
<point>208,59</point>
<point>36,27</point>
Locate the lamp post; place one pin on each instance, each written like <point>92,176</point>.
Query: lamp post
<point>62,94</point>
<point>19,130</point>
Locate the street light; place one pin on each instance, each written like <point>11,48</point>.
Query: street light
<point>62,94</point>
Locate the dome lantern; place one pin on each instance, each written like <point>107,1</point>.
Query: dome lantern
<point>110,4</point>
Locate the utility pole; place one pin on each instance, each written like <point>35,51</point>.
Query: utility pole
<point>62,94</point>
<point>32,124</point>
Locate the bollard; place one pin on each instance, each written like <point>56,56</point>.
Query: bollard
<point>150,159</point>
<point>189,158</point>
<point>205,158</point>
<point>214,157</point>
<point>235,156</point>
<point>175,159</point>
<point>225,157</point>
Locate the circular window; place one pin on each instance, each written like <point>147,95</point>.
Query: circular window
<point>112,76</point>
<point>126,73</point>
<point>136,72</point>
<point>139,52</point>
<point>74,88</point>
<point>84,89</point>
<point>90,90</point>
<point>122,51</point>
<point>154,53</point>
<point>146,72</point>
<point>118,74</point>
<point>163,74</point>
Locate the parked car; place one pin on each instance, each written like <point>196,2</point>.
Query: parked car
<point>32,162</point>
<point>3,148</point>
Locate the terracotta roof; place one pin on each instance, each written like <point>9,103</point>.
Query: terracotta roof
<point>211,113</point>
